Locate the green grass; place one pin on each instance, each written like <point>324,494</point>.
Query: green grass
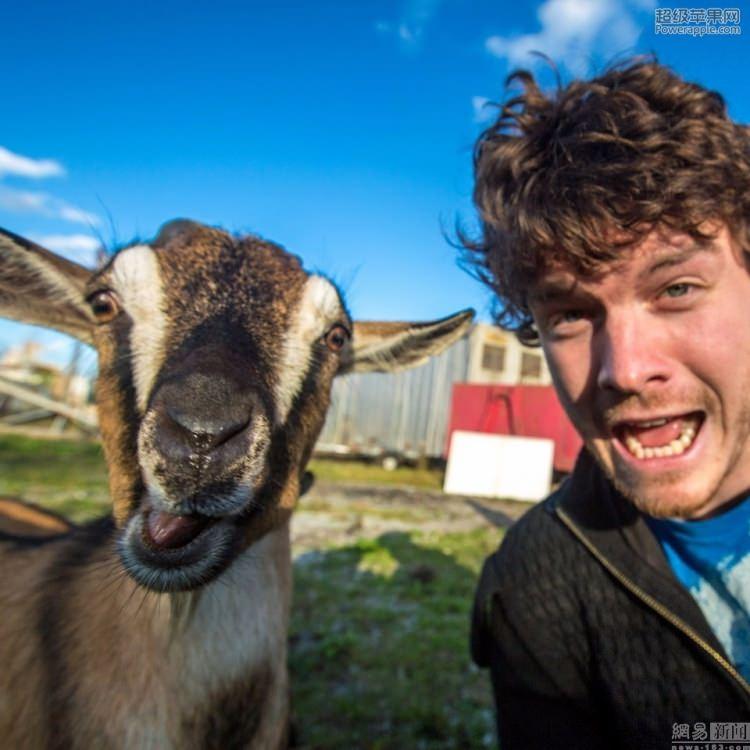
<point>379,646</point>
<point>66,476</point>
<point>361,471</point>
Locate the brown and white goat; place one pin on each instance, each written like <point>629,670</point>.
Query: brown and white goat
<point>164,626</point>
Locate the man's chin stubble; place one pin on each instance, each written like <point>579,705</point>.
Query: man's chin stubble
<point>625,482</point>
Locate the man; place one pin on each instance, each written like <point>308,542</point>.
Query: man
<point>615,220</point>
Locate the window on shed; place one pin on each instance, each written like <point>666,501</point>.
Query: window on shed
<point>493,358</point>
<point>531,365</point>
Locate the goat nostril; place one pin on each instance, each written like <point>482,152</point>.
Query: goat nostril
<point>226,432</point>
<point>205,433</point>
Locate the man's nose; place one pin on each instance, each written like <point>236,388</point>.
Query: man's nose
<point>629,355</point>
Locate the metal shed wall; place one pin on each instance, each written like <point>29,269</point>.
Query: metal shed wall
<point>405,412</point>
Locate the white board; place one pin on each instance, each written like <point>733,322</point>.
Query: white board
<point>499,466</point>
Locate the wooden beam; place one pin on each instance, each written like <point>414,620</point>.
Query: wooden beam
<point>22,393</point>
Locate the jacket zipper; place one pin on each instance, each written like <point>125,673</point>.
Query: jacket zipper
<point>659,608</point>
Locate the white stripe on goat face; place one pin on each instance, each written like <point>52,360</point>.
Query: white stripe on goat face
<point>318,309</point>
<point>137,281</point>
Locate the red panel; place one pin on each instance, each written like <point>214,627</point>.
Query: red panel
<point>524,410</point>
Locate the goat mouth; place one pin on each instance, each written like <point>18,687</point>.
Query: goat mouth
<point>167,553</point>
<point>163,531</point>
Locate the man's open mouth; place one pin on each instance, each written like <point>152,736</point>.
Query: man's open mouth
<point>662,437</point>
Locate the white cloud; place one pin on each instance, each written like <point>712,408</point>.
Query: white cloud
<point>79,247</point>
<point>37,202</point>
<point>482,112</point>
<point>571,31</point>
<point>21,200</point>
<point>23,166</point>
<point>410,28</point>
<point>70,213</point>
<point>43,204</point>
<point>405,34</point>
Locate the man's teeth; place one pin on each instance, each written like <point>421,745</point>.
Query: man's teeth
<point>655,422</point>
<point>675,448</point>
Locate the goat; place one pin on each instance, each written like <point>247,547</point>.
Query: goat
<point>164,625</point>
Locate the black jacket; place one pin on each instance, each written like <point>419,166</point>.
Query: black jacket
<point>590,639</point>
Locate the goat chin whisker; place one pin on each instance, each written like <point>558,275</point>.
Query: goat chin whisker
<point>217,355</point>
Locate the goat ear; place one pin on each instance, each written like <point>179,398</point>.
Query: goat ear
<point>388,347</point>
<point>39,287</point>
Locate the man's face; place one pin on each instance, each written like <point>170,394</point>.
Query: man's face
<point>651,359</point>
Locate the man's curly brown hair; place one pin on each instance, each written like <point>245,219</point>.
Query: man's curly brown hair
<point>615,156</point>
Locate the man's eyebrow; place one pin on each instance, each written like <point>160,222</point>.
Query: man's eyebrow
<point>677,257</point>
<point>553,290</point>
<point>557,289</point>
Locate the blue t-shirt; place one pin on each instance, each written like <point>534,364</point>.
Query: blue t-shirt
<point>711,558</point>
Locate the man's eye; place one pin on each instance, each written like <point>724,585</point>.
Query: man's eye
<point>566,316</point>
<point>571,316</point>
<point>677,290</point>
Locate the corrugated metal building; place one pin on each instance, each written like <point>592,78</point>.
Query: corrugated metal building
<point>407,413</point>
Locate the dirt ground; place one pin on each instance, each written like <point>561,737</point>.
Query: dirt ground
<point>333,514</point>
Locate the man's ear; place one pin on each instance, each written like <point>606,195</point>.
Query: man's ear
<point>39,287</point>
<point>388,347</point>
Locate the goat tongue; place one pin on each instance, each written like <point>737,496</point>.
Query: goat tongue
<point>167,532</point>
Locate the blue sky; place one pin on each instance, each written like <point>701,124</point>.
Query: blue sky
<point>342,130</point>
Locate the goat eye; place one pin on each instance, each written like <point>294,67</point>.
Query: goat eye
<point>336,338</point>
<point>104,305</point>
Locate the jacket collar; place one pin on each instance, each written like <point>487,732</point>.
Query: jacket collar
<point>619,532</point>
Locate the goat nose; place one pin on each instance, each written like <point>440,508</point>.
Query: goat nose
<point>207,432</point>
<point>218,434</point>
